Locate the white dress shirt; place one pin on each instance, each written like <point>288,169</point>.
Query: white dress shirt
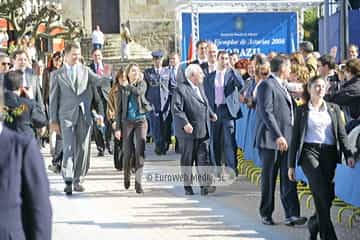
<point>319,126</point>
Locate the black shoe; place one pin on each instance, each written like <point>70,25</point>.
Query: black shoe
<point>291,221</point>
<point>313,228</point>
<point>54,168</point>
<point>158,151</point>
<point>204,191</point>
<point>109,149</point>
<point>211,189</point>
<point>267,221</point>
<point>138,188</point>
<point>189,190</point>
<point>68,189</point>
<point>100,154</point>
<point>127,184</point>
<point>79,188</point>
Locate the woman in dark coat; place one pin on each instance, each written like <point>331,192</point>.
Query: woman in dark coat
<point>25,210</point>
<point>131,123</point>
<point>319,139</point>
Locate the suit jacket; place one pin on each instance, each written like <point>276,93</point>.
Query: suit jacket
<point>273,114</point>
<point>300,128</point>
<point>31,118</point>
<point>159,89</point>
<point>187,107</point>
<point>25,208</point>
<point>180,75</point>
<point>102,90</point>
<point>66,102</point>
<point>34,81</point>
<point>233,83</point>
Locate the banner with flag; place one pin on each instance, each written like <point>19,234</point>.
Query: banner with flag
<point>243,33</point>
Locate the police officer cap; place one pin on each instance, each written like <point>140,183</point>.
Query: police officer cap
<point>157,54</point>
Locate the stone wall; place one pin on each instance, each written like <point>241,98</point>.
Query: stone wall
<point>151,21</point>
<point>154,35</point>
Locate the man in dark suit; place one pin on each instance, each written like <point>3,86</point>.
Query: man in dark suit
<point>192,115</point>
<point>210,66</point>
<point>274,123</point>
<point>102,139</point>
<point>25,205</point>
<point>201,51</point>
<point>220,87</point>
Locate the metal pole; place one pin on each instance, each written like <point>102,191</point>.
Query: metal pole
<point>344,29</point>
<point>326,27</point>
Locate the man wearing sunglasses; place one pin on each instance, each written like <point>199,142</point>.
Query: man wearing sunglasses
<point>4,66</point>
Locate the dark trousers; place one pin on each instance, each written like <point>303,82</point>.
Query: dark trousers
<point>102,138</point>
<point>118,154</point>
<point>273,161</point>
<point>97,46</point>
<point>134,129</point>
<point>58,154</point>
<point>161,130</point>
<point>223,132</point>
<point>318,164</point>
<point>194,152</point>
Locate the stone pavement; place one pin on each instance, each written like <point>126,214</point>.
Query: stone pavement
<point>107,211</point>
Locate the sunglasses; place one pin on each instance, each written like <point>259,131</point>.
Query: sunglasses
<point>5,63</point>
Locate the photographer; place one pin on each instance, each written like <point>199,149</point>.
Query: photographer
<point>349,94</point>
<point>23,114</point>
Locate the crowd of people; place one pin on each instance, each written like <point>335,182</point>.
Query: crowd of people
<point>305,106</point>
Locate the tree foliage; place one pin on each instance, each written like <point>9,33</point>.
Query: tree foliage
<point>311,26</point>
<point>48,16</point>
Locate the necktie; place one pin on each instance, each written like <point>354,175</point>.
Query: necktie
<point>99,70</point>
<point>74,77</point>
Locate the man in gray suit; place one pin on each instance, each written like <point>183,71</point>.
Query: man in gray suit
<point>192,115</point>
<point>71,94</point>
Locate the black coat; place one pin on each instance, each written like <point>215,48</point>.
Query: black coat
<point>273,114</point>
<point>138,90</point>
<point>300,128</point>
<point>186,108</point>
<point>348,96</point>
<point>25,210</point>
<point>31,118</point>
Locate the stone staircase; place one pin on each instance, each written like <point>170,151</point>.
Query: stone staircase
<point>111,52</point>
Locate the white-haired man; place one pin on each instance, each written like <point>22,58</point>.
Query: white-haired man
<point>192,116</point>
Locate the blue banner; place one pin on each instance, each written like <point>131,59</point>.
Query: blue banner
<point>245,33</point>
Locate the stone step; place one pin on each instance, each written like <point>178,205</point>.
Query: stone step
<point>117,63</point>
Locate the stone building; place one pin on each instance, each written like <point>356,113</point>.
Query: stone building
<point>151,22</point>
